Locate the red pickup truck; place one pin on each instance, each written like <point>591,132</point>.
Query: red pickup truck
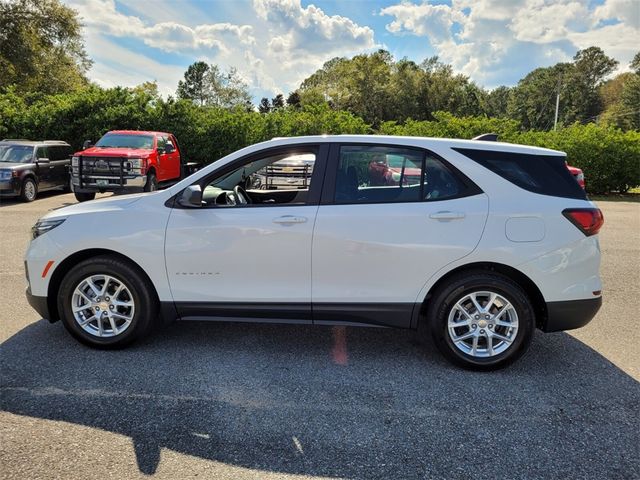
<point>125,160</point>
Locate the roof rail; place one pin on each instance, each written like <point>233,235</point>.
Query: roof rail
<point>15,140</point>
<point>55,142</point>
<point>487,137</point>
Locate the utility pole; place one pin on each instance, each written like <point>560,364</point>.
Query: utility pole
<point>555,120</point>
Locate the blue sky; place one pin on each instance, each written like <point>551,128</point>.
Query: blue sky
<point>274,44</point>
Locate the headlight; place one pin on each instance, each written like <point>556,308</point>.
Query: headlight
<point>75,161</point>
<point>136,162</point>
<point>43,226</point>
<point>5,174</point>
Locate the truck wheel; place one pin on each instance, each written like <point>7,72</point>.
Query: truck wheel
<point>105,302</point>
<point>481,321</point>
<point>84,197</point>
<point>29,190</point>
<point>152,183</point>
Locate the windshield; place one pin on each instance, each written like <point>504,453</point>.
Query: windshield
<point>118,140</point>
<point>16,153</point>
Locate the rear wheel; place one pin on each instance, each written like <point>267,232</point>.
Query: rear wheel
<point>29,190</point>
<point>84,196</point>
<point>106,303</point>
<point>481,321</point>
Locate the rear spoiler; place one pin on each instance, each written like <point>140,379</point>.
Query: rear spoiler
<point>487,137</point>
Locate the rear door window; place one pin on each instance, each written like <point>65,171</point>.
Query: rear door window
<point>383,174</point>
<point>543,174</point>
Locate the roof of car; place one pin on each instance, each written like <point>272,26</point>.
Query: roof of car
<point>138,132</point>
<point>22,141</point>
<point>425,142</point>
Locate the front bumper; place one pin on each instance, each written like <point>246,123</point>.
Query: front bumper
<point>40,305</point>
<point>570,314</point>
<point>10,187</point>
<point>91,185</point>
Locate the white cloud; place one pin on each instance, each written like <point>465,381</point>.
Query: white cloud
<point>493,39</point>
<point>433,21</point>
<point>281,43</point>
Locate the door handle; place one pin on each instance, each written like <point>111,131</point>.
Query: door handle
<point>446,215</point>
<point>289,219</point>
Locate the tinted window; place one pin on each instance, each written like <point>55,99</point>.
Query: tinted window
<point>373,174</point>
<point>543,174</point>
<point>59,152</point>
<point>42,152</point>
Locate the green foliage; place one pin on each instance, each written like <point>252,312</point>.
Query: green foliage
<point>41,47</point>
<point>609,156</point>
<point>208,85</point>
<point>205,133</point>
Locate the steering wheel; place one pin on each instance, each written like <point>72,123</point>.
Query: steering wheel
<point>241,194</point>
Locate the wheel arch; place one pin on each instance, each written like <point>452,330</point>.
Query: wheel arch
<point>530,288</point>
<point>75,258</point>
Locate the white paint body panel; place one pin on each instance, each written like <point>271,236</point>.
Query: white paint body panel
<point>343,258</point>
<point>382,252</point>
<point>240,254</point>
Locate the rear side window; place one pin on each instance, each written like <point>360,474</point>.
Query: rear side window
<point>382,174</point>
<point>543,174</point>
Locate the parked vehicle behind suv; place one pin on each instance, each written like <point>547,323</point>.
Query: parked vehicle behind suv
<point>125,160</point>
<point>28,167</point>
<point>476,243</point>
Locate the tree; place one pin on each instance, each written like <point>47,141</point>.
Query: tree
<point>264,106</point>
<point>277,102</point>
<point>293,100</point>
<point>208,85</point>
<point>635,63</point>
<point>196,86</point>
<point>41,47</point>
<point>498,101</point>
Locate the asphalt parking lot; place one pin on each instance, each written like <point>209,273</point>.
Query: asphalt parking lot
<point>236,401</point>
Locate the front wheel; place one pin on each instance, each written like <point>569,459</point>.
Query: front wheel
<point>481,321</point>
<point>152,183</point>
<point>84,196</point>
<point>29,190</point>
<point>105,302</point>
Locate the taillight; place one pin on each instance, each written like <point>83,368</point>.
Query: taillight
<point>588,220</point>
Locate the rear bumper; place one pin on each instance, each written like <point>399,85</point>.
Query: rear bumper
<point>40,305</point>
<point>570,314</point>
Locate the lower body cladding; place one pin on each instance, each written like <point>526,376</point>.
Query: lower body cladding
<point>563,315</point>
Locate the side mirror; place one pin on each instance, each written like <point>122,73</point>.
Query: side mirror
<point>43,161</point>
<point>87,144</point>
<point>191,196</point>
<point>169,148</point>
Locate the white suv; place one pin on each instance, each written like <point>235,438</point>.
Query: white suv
<point>476,242</point>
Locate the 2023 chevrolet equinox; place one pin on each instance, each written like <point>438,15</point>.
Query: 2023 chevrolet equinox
<point>477,243</point>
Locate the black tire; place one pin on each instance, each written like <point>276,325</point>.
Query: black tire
<point>142,293</point>
<point>84,196</point>
<point>29,190</point>
<point>152,183</point>
<point>68,187</point>
<point>456,289</point>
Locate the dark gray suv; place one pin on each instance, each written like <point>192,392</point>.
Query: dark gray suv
<point>28,167</point>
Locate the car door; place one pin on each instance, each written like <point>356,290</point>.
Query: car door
<point>245,261</point>
<point>375,244</point>
<point>173,159</point>
<point>163,161</point>
<point>60,159</point>
<point>44,169</point>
